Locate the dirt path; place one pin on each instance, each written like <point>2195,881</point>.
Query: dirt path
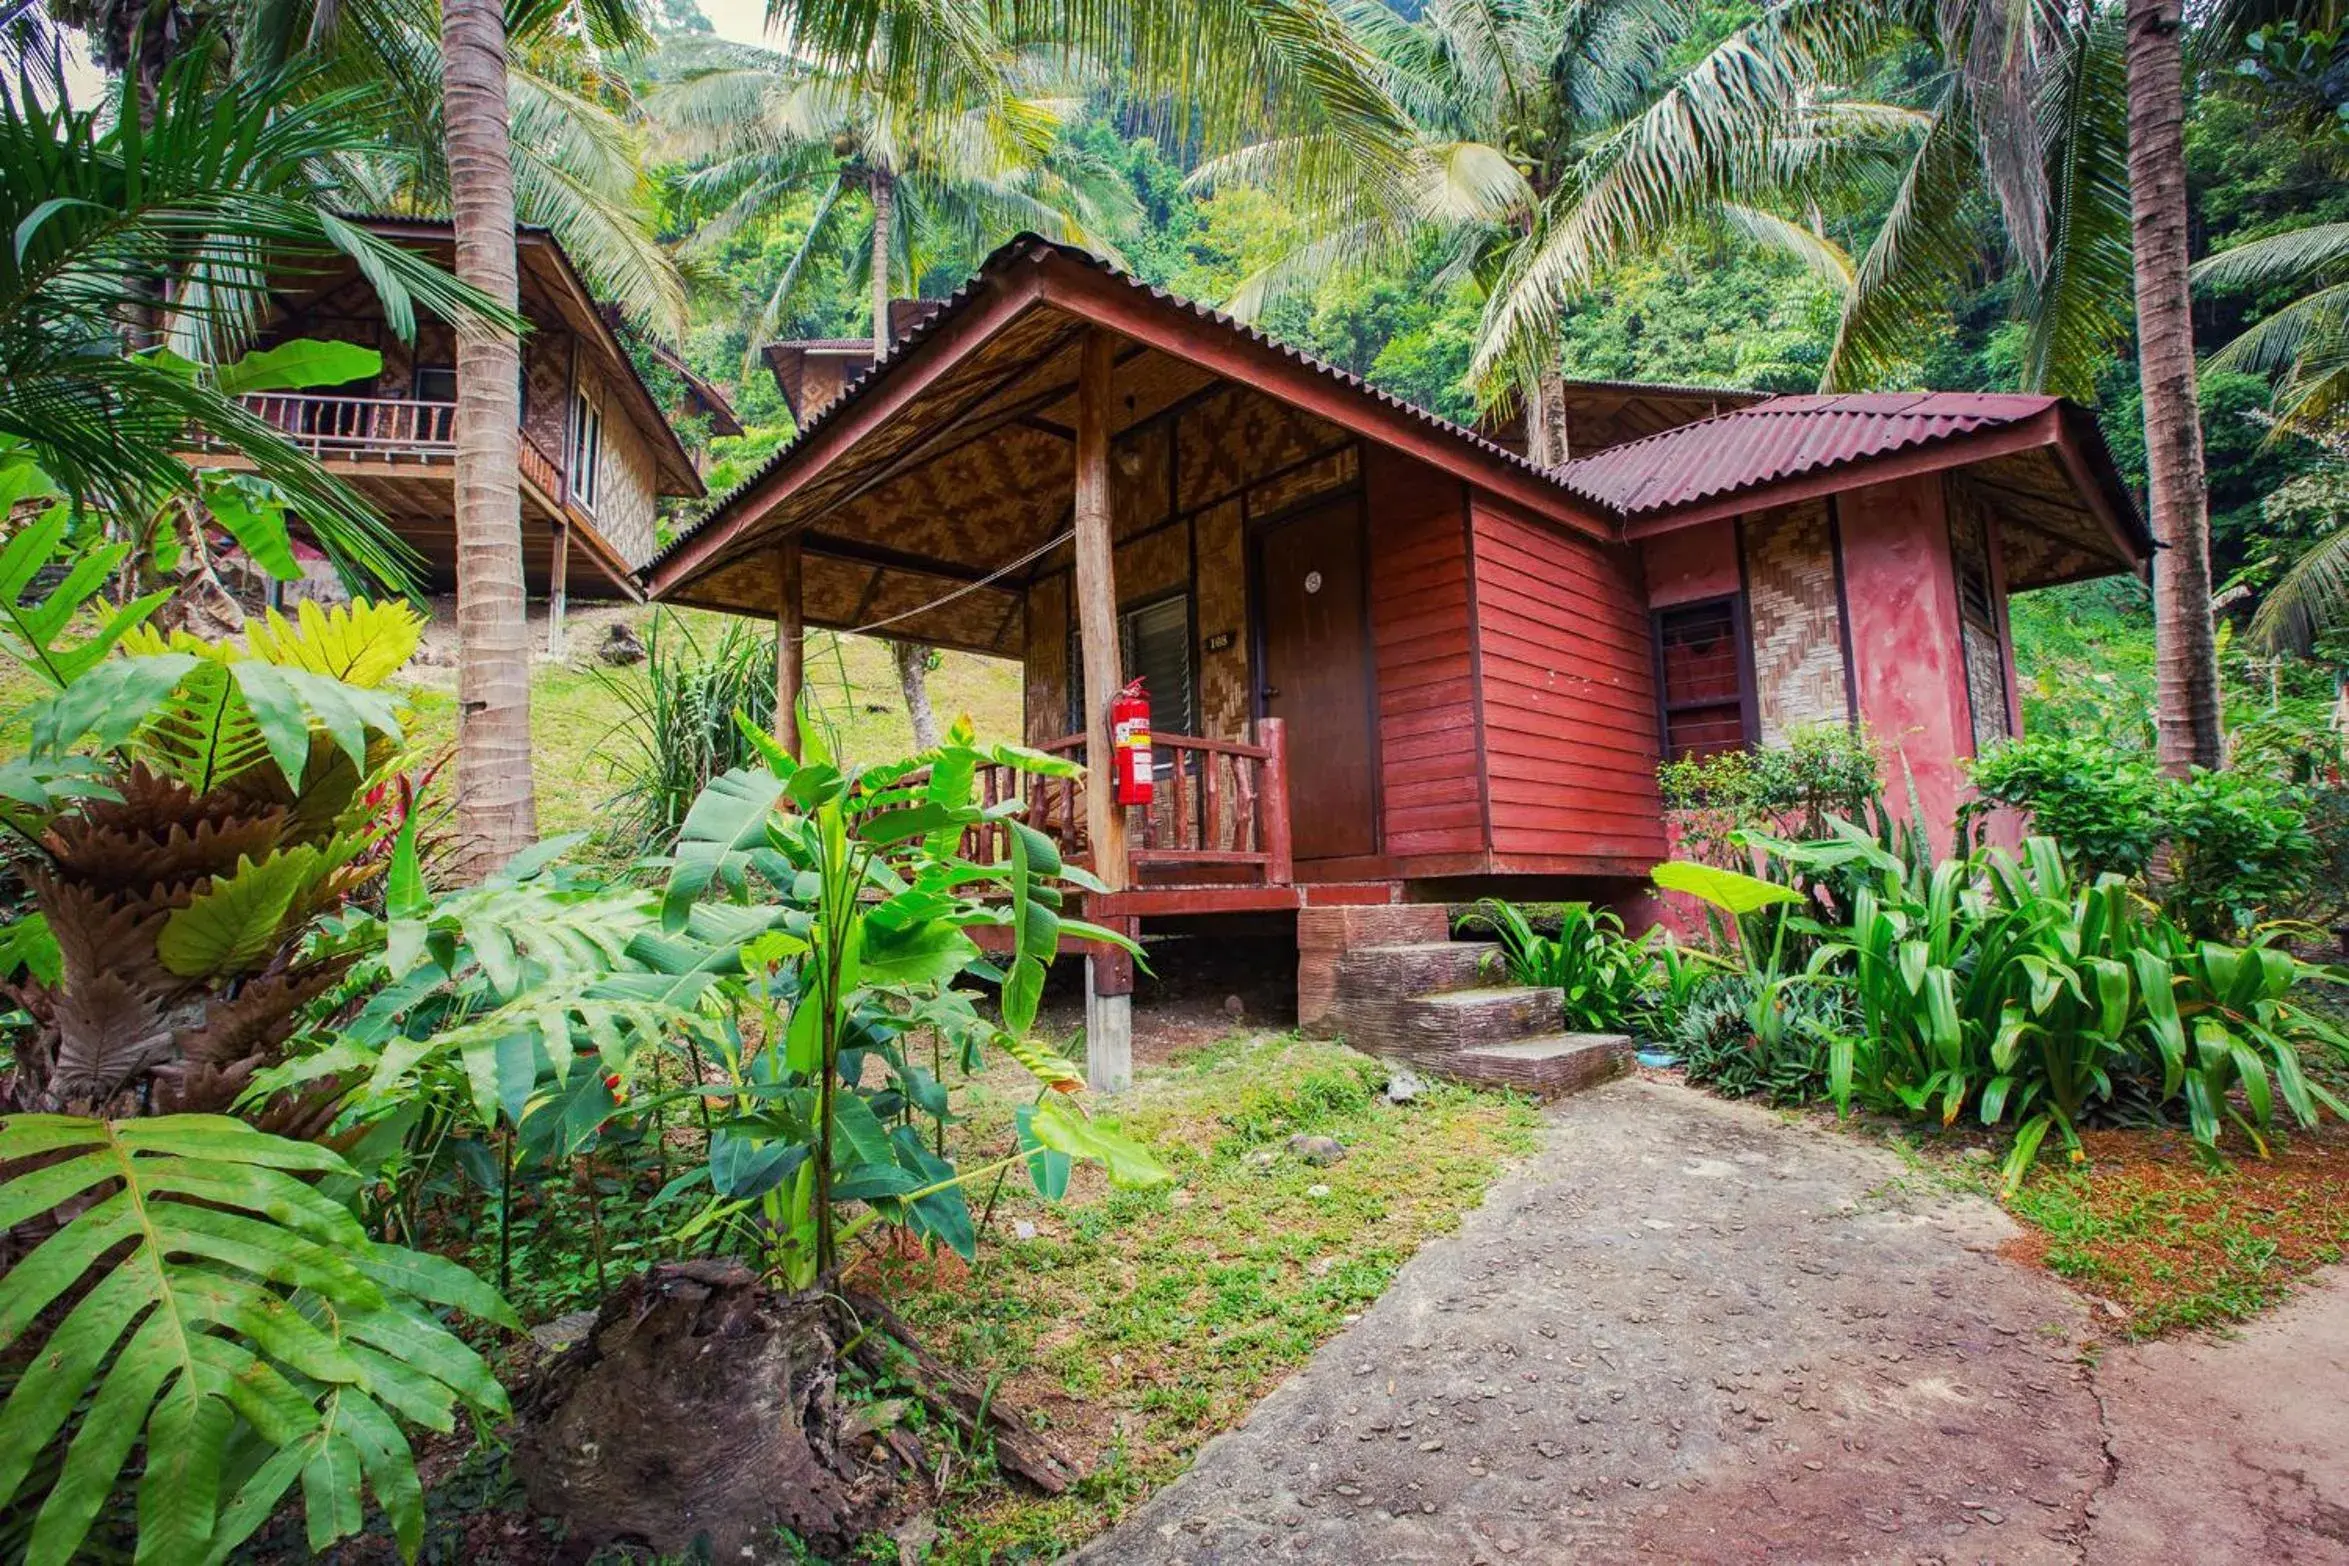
<point>1690,1331</point>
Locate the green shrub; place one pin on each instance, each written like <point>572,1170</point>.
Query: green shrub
<point>678,730</point>
<point>1824,772</point>
<point>1747,1039</point>
<point>2012,989</point>
<point>2225,849</point>
<point>2239,846</point>
<point>1604,975</point>
<point>2100,804</point>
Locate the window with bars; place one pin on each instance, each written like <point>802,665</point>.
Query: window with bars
<point>1154,646</point>
<point>1702,672</point>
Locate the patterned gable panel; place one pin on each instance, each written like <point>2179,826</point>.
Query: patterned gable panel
<point>1299,484</point>
<point>1237,436</point>
<point>546,392</point>
<point>981,505</point>
<point>1795,619</point>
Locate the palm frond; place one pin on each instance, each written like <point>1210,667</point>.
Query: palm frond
<point>1826,259</point>
<point>2076,308</point>
<point>2309,598</point>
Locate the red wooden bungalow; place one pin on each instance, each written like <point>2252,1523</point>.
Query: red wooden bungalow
<point>1390,661</point>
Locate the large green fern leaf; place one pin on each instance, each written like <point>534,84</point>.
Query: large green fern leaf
<point>214,1290</point>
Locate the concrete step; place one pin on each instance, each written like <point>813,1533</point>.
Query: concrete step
<point>1547,1067</point>
<point>1418,968</point>
<point>1430,1026</point>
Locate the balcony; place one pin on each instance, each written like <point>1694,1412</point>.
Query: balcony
<point>391,432</point>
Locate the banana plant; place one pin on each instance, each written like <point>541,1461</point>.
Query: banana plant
<point>885,907</point>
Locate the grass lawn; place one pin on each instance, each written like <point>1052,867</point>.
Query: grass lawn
<point>1142,1323</point>
<point>576,703</point>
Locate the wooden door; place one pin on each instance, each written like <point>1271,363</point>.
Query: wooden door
<point>1315,676</point>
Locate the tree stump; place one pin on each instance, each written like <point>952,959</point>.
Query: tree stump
<point>700,1404</point>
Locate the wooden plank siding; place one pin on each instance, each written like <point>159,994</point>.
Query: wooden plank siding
<point>1567,716</point>
<point>1431,801</point>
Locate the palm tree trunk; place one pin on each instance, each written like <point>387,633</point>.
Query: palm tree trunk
<point>913,659</point>
<point>1546,439</point>
<point>913,678</point>
<point>884,188</point>
<point>496,809</point>
<point>2187,693</point>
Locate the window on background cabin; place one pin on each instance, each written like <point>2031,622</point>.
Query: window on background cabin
<point>587,441</point>
<point>1704,679</point>
<point>436,383</point>
<point>1154,646</point>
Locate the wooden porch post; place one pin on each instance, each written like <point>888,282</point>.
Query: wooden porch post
<point>558,580</point>
<point>790,645</point>
<point>1109,1024</point>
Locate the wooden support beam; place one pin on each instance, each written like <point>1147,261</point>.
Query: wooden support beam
<point>558,578</point>
<point>1096,585</point>
<point>790,644</point>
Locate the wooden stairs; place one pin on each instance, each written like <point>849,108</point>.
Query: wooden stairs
<point>1391,982</point>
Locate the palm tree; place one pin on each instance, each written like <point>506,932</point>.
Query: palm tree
<point>1530,118</point>
<point>2187,726</point>
<point>577,153</point>
<point>497,812</point>
<point>166,223</point>
<point>2306,343</point>
<point>758,126</point>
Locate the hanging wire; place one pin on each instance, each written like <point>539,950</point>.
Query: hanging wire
<point>1001,571</point>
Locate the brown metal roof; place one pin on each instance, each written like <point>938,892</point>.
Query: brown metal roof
<point>1780,438</point>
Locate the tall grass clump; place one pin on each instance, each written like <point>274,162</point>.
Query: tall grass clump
<point>678,730</point>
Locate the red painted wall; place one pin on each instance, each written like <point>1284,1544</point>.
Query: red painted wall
<point>1430,801</point>
<point>1695,563</point>
<point>1910,664</point>
<point>1567,681</point>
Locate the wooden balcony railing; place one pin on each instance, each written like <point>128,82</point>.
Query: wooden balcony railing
<point>1220,818</point>
<point>541,469</point>
<point>326,425</point>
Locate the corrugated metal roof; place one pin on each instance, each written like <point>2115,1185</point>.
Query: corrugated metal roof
<point>1035,247</point>
<point>1780,438</point>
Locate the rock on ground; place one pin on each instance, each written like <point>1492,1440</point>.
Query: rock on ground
<point>1685,1331</point>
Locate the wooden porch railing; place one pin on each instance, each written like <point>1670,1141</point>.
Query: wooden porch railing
<point>540,468</point>
<point>1221,815</point>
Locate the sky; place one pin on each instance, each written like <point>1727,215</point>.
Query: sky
<point>743,21</point>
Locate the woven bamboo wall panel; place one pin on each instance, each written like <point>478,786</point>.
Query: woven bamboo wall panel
<point>982,503</point>
<point>1222,612</point>
<point>1336,471</point>
<point>1796,621</point>
<point>627,479</point>
<point>1236,435</point>
<point>546,392</point>
<point>1138,479</point>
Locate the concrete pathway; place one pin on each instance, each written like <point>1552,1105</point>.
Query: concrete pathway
<point>1690,1331</point>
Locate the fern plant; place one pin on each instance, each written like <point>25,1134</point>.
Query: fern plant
<point>202,1313</point>
<point>188,810</point>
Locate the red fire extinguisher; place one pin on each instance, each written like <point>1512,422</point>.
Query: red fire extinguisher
<point>1129,735</point>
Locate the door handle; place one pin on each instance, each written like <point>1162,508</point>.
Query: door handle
<point>1270,693</point>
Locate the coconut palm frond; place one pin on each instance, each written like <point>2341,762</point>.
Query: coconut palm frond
<point>2311,597</point>
<point>2300,258</point>
<point>1715,135</point>
<point>1826,259</point>
<point>2076,308</point>
<point>1922,249</point>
